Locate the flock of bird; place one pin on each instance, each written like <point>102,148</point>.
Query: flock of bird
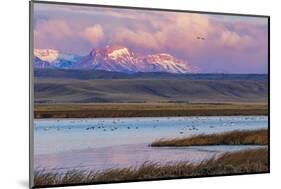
<point>102,126</point>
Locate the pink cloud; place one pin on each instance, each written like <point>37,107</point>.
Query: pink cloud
<point>62,35</point>
<point>179,32</point>
<point>173,31</point>
<point>231,43</point>
<point>93,34</point>
<point>48,33</point>
<point>139,38</point>
<point>233,40</point>
<point>55,28</point>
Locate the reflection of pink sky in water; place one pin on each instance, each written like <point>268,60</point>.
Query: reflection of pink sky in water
<point>117,158</point>
<point>66,144</point>
<point>127,156</point>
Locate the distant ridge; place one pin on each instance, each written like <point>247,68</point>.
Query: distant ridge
<point>48,90</point>
<point>101,74</point>
<point>113,58</point>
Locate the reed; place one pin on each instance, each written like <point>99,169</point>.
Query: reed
<point>146,110</point>
<point>250,161</point>
<point>255,137</point>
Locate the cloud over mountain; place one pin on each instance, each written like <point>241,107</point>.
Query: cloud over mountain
<point>232,44</point>
<point>94,34</point>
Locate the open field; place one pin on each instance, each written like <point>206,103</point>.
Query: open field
<point>149,90</point>
<point>250,161</point>
<point>255,137</point>
<point>86,94</point>
<point>145,110</point>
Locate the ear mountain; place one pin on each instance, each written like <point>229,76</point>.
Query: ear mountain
<point>114,58</point>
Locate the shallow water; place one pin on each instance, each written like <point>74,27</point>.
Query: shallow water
<point>124,156</point>
<point>123,142</point>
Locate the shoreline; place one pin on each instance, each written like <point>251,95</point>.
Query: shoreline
<point>115,110</point>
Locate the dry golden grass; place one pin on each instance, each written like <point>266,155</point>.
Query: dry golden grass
<point>146,110</point>
<point>250,161</point>
<point>255,137</point>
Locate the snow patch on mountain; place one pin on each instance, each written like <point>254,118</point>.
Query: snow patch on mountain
<point>114,58</point>
<point>48,58</point>
<point>48,55</point>
<point>119,53</point>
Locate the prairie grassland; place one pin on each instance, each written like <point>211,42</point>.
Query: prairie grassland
<point>146,89</point>
<point>146,110</point>
<point>255,137</point>
<point>250,161</point>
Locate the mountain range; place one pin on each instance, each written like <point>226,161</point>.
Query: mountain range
<point>115,58</point>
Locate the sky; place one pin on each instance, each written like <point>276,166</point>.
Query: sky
<point>232,44</point>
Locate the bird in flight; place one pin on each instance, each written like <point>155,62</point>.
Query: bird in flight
<point>200,38</point>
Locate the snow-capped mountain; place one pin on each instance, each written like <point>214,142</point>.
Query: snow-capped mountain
<point>113,58</point>
<point>48,58</point>
<point>48,55</point>
<point>163,62</point>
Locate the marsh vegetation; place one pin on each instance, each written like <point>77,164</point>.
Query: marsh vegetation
<point>250,161</point>
<point>255,137</point>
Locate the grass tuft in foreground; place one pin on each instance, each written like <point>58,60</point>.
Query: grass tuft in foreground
<point>250,161</point>
<point>255,137</point>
